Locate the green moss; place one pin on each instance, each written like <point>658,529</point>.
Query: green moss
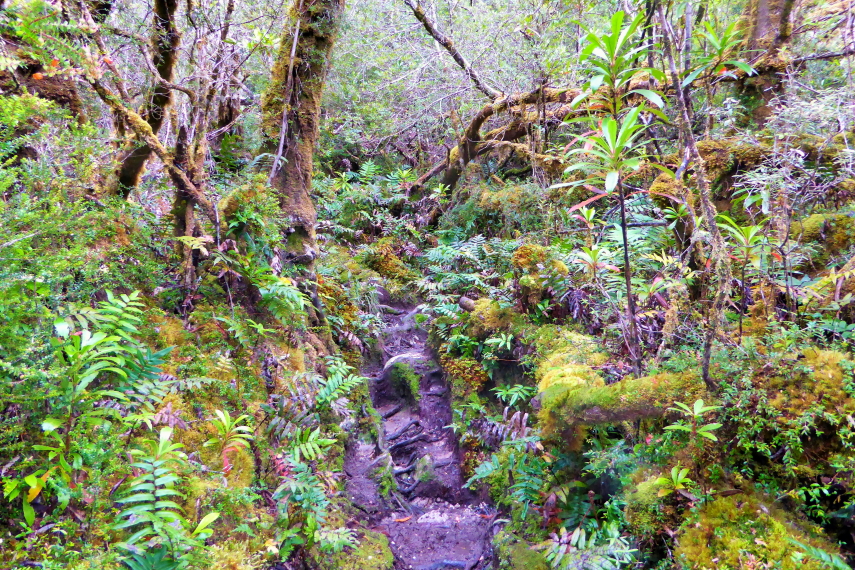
<point>829,233</point>
<point>373,553</point>
<point>406,381</point>
<point>489,317</point>
<point>527,257</point>
<point>567,403</point>
<point>466,375</point>
<point>516,554</point>
<point>730,532</point>
<point>382,258</point>
<point>646,514</point>
<point>819,383</point>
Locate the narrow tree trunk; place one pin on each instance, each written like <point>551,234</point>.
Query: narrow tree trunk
<point>291,110</point>
<point>632,342</point>
<point>718,248</point>
<point>165,41</point>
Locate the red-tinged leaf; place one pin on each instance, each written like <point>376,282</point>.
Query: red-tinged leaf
<point>612,267</point>
<point>777,256</point>
<point>586,202</point>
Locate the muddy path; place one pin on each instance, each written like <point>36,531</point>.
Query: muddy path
<point>407,481</point>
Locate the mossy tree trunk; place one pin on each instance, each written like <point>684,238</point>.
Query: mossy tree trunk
<point>767,25</point>
<point>291,109</point>
<point>165,41</point>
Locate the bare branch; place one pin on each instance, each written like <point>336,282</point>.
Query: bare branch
<point>446,42</point>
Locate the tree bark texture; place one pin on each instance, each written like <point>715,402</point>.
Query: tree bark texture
<point>291,114</point>
<point>165,41</point>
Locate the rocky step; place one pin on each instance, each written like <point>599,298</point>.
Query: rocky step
<point>442,537</point>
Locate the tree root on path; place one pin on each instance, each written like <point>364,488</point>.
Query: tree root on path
<point>401,431</point>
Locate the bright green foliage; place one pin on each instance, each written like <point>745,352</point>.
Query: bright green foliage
<point>231,435</point>
<point>695,413</point>
<point>308,444</point>
<point>151,512</point>
<point>676,482</point>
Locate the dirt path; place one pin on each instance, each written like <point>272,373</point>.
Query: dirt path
<point>432,522</point>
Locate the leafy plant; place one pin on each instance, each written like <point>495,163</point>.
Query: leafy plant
<point>153,514</point>
<point>695,414</point>
<point>819,555</point>
<point>676,482</point>
<point>510,395</point>
<point>231,435</point>
<point>308,444</point>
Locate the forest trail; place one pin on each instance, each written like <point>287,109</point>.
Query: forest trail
<point>432,521</point>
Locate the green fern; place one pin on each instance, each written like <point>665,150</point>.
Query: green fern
<point>334,540</point>
<point>819,555</point>
<point>153,512</point>
<point>339,382</point>
<point>309,444</point>
<point>121,315</point>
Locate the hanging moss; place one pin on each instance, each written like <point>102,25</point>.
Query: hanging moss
<point>731,533</point>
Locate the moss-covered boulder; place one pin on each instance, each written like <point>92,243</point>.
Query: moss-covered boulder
<point>740,531</point>
<point>826,234</point>
<point>514,553</point>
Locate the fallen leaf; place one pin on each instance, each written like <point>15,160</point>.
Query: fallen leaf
<point>405,519</point>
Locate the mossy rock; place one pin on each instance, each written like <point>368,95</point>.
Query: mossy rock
<point>372,553</point>
<point>830,234</point>
<point>730,532</point>
<point>516,554</point>
<point>406,381</point>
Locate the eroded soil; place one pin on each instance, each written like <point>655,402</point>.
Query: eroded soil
<point>407,482</point>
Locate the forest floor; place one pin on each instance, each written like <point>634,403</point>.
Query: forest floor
<point>433,522</point>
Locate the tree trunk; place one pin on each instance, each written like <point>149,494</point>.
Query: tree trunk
<point>768,27</point>
<point>291,114</point>
<point>165,41</point>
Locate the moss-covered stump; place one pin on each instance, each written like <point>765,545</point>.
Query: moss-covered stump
<point>532,265</point>
<point>732,533</point>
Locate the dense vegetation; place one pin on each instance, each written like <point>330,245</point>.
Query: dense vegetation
<point>622,232</point>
